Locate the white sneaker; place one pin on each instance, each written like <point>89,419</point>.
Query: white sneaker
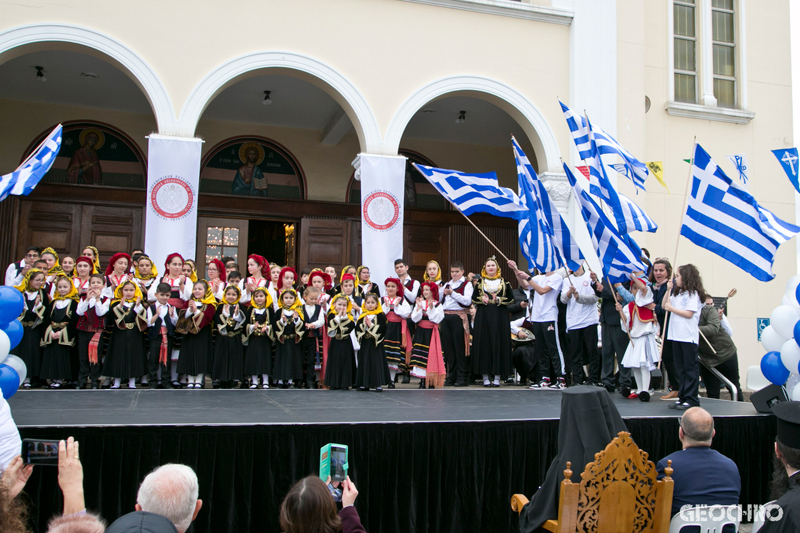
<point>254,386</point>
<point>542,385</point>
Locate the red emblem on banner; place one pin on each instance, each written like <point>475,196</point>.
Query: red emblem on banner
<point>381,210</point>
<point>171,198</point>
<point>584,170</point>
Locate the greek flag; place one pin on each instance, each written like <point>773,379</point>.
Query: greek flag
<point>619,255</point>
<point>636,171</point>
<point>544,237</point>
<point>639,219</point>
<point>725,219</point>
<point>23,180</point>
<point>475,193</point>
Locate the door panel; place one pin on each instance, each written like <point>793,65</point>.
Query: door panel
<point>218,237</point>
<point>423,244</point>
<point>111,229</point>
<point>46,224</point>
<point>323,241</point>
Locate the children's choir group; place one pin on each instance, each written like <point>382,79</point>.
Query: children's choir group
<point>273,327</point>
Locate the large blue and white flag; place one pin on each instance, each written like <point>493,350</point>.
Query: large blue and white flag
<point>639,220</point>
<point>23,180</point>
<point>618,258</point>
<point>635,170</point>
<point>475,193</point>
<point>725,219</point>
<point>544,237</point>
<point>790,163</point>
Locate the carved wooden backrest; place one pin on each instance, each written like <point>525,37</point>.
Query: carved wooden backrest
<point>618,491</point>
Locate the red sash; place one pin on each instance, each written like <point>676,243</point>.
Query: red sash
<point>435,374</point>
<point>93,345</point>
<point>162,352</point>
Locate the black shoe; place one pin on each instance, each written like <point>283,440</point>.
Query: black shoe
<point>406,378</point>
<point>391,384</point>
<point>644,396</point>
<point>285,385</point>
<point>95,385</point>
<point>422,383</point>
<point>461,384</point>
<point>625,391</point>
<point>310,385</point>
<point>449,383</point>
<point>215,383</point>
<point>378,389</point>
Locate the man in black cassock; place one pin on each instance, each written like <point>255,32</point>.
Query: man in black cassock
<point>786,477</point>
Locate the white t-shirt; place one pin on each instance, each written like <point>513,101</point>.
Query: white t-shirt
<point>581,315</point>
<point>10,442</point>
<point>685,329</point>
<point>545,306</point>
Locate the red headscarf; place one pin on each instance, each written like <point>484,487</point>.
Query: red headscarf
<point>345,277</point>
<point>286,270</point>
<point>434,289</point>
<point>221,267</point>
<point>86,260</point>
<point>326,279</point>
<point>400,289</point>
<point>262,262</point>
<point>170,257</point>
<point>114,259</point>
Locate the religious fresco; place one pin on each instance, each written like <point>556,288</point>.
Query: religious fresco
<point>251,166</point>
<point>95,154</point>
<point>419,193</point>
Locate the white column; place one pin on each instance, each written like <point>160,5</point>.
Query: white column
<point>706,70</point>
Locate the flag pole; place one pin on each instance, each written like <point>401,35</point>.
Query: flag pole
<point>479,231</point>
<point>678,242</point>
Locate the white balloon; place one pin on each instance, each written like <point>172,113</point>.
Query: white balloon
<point>771,340</point>
<point>19,365</point>
<point>783,319</point>
<point>791,287</point>
<point>789,301</point>
<point>796,393</point>
<point>790,355</point>
<point>5,345</point>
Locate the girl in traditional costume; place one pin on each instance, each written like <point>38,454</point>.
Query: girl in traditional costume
<point>427,360</point>
<point>117,271</point>
<point>433,273</point>
<point>373,372</point>
<point>258,338</point>
<point>397,343</point>
<point>84,268</point>
<point>340,324</point>
<point>50,257</point>
<point>322,282</point>
<point>92,253</point>
<point>288,329</point>
<point>68,266</point>
<point>145,274</point>
<point>256,267</point>
<point>642,355</point>
<point>228,349</point>
<point>126,358</point>
<point>195,324</point>
<point>216,278</point>
<point>491,340</point>
<point>364,284</point>
<point>61,319</point>
<point>36,303</point>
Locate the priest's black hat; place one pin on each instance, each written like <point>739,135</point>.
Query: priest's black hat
<point>788,414</point>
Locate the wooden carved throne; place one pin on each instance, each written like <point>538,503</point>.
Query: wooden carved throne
<point>618,493</point>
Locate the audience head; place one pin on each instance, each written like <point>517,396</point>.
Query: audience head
<point>82,523</point>
<point>13,513</point>
<point>171,491</point>
<point>661,271</point>
<point>142,522</point>
<point>697,428</point>
<point>309,507</point>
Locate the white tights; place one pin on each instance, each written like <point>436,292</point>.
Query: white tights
<point>642,377</point>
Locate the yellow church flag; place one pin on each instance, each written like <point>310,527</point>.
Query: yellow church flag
<point>657,169</point>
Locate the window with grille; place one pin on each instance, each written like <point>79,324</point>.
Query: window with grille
<point>685,16</point>
<point>722,38</point>
<point>220,242</point>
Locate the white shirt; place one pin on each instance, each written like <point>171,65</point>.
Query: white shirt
<point>410,294</point>
<point>162,313</point>
<point>685,329</point>
<point>309,312</point>
<point>399,305</point>
<point>185,293</point>
<point>10,442</point>
<point>11,273</point>
<point>545,306</point>
<point>455,301</point>
<point>100,308</point>
<point>435,312</point>
<point>726,325</point>
<point>581,312</point>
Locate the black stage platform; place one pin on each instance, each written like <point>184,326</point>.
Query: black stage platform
<point>423,460</point>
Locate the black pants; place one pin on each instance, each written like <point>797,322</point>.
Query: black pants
<point>525,363</point>
<point>309,348</point>
<point>669,365</point>
<point>547,348</point>
<point>688,368</point>
<point>451,331</point>
<point>88,370</point>
<point>153,363</point>
<point>729,369</point>
<point>615,342</point>
<point>582,350</point>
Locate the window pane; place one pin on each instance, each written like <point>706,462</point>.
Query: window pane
<point>231,252</point>
<point>213,252</point>
<point>231,237</point>
<point>684,54</point>
<point>685,88</point>
<point>723,4</point>
<point>723,60</point>
<point>725,93</point>
<point>684,21</point>
<point>214,235</point>
<point>722,26</point>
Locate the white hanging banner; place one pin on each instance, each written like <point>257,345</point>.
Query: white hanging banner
<point>383,181</point>
<point>173,182</point>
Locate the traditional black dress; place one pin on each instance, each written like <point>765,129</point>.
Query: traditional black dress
<point>339,369</point>
<point>288,353</point>
<point>29,348</point>
<point>195,355</point>
<point>373,371</point>
<point>258,352</point>
<point>126,357</point>
<point>397,334</point>
<point>61,315</point>
<point>228,348</point>
<point>491,339</point>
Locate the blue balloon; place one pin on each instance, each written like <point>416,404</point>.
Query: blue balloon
<point>9,381</point>
<point>797,294</point>
<point>773,369</point>
<point>11,304</point>
<point>14,331</point>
